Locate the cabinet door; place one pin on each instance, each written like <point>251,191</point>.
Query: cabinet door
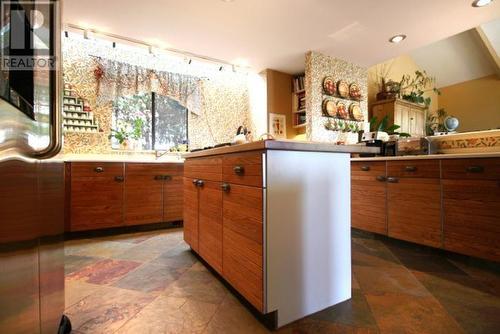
<point>368,197</point>
<point>242,246</point>
<point>173,198</point>
<point>190,195</point>
<point>414,210</point>
<point>210,223</point>
<point>143,194</point>
<point>96,196</point>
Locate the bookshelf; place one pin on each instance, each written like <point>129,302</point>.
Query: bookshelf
<point>298,103</point>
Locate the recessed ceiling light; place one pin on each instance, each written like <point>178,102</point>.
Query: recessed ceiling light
<point>227,0</point>
<point>481,3</point>
<point>398,38</point>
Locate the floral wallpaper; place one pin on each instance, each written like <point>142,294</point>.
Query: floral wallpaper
<point>318,66</point>
<point>224,95</point>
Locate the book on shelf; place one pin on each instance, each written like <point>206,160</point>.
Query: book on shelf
<point>298,83</point>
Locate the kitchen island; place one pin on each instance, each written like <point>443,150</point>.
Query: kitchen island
<point>273,219</point>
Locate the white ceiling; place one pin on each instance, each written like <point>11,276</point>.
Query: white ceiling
<point>456,59</point>
<point>276,33</point>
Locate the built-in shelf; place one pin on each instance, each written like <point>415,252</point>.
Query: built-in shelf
<point>301,111</point>
<point>299,126</point>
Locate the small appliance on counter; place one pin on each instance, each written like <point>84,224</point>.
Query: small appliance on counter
<point>242,136</point>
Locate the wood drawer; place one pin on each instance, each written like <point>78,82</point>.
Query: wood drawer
<point>209,169</point>
<point>96,169</point>
<point>243,168</point>
<point>471,169</point>
<point>414,168</point>
<point>367,170</point>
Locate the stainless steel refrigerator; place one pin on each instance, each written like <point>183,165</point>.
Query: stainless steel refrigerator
<point>31,183</point>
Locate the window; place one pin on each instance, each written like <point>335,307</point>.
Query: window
<point>162,120</point>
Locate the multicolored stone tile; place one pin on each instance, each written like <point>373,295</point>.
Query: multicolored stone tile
<point>402,313</point>
<point>107,310</point>
<point>149,278</point>
<point>171,315</point>
<point>73,263</point>
<point>103,272</point>
<point>134,284</point>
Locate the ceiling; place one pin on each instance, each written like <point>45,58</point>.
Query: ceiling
<point>276,33</point>
<point>470,59</point>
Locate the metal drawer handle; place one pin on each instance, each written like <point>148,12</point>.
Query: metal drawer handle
<point>410,168</point>
<point>166,177</point>
<point>475,169</point>
<point>98,169</point>
<point>195,181</point>
<point>158,177</point>
<point>240,170</point>
<point>381,178</point>
<point>365,168</point>
<point>119,178</point>
<point>391,179</point>
<point>200,183</point>
<point>225,187</point>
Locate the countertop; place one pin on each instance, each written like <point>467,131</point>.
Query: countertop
<point>284,145</point>
<point>433,156</point>
<point>170,158</point>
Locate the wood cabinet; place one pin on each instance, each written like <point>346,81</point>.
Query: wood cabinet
<point>96,195</point>
<point>190,190</point>
<point>223,218</point>
<point>243,248</point>
<point>153,193</point>
<point>471,204</point>
<point>414,201</point>
<point>450,203</point>
<point>104,195</point>
<point>368,196</point>
<point>410,116</point>
<point>210,223</point>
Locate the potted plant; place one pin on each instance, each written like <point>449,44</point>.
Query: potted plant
<point>412,89</point>
<point>379,128</point>
<point>122,136</point>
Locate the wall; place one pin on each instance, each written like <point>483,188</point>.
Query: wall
<point>476,103</point>
<point>279,97</point>
<point>317,67</point>
<point>394,69</point>
<point>225,101</point>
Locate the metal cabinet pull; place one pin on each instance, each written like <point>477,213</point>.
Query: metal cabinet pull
<point>195,182</point>
<point>98,169</point>
<point>166,177</point>
<point>410,169</point>
<point>365,168</point>
<point>391,179</point>
<point>381,178</point>
<point>200,183</point>
<point>475,169</point>
<point>240,170</point>
<point>158,177</point>
<point>225,187</point>
<point>119,178</point>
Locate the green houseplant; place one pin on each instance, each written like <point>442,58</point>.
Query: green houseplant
<point>413,88</point>
<point>382,126</point>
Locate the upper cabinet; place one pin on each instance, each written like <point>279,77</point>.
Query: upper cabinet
<point>410,116</point>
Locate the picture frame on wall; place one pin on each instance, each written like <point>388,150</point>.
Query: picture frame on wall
<point>277,124</point>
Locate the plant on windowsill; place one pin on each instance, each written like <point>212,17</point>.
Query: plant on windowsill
<point>122,136</point>
<point>129,136</point>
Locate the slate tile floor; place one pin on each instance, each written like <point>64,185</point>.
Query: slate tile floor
<point>149,282</point>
